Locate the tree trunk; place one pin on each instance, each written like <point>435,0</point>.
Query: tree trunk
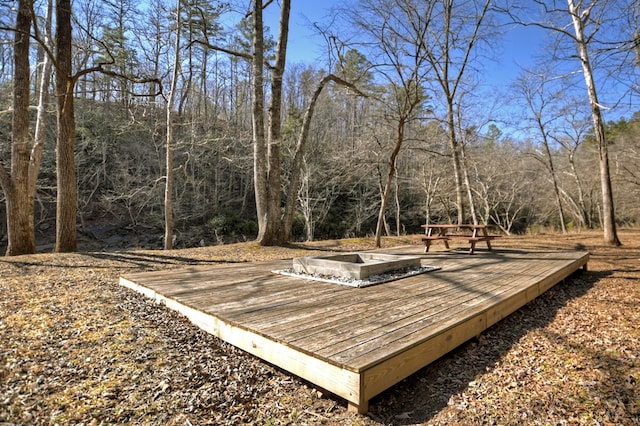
<point>276,234</point>
<point>67,198</point>
<point>20,215</point>
<point>554,179</point>
<point>168,185</point>
<point>267,155</point>
<point>608,211</point>
<point>549,165</point>
<point>585,217</point>
<point>298,159</point>
<point>467,184</point>
<point>397,201</point>
<point>455,156</point>
<point>389,183</point>
<point>259,139</point>
<point>40,134</point>
<point>301,145</point>
<point>450,77</point>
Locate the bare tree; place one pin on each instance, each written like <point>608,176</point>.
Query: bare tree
<point>415,43</point>
<point>43,103</point>
<point>451,47</point>
<point>536,90</point>
<point>168,188</point>
<point>581,17</point>
<point>589,18</point>
<point>20,209</point>
<point>300,150</point>
<point>65,81</point>
<point>429,182</point>
<point>501,186</point>
<point>266,195</point>
<point>67,198</point>
<point>274,226</point>
<point>571,137</point>
<point>395,32</point>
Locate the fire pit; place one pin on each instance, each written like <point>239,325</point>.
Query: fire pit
<point>357,266</point>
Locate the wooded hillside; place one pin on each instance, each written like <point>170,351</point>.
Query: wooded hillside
<point>527,161</point>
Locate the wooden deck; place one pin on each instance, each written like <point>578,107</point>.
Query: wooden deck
<point>357,342</point>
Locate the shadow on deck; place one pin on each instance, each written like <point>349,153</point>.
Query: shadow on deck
<point>358,342</point>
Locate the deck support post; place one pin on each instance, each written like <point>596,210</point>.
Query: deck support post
<point>360,408</point>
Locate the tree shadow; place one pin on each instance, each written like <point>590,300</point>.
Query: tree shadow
<point>422,395</point>
<point>137,261</point>
<point>144,261</point>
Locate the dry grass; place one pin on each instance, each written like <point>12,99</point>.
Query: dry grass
<point>79,349</point>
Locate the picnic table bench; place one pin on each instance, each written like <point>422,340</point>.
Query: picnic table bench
<point>474,234</point>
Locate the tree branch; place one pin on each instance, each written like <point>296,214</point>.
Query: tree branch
<point>235,53</point>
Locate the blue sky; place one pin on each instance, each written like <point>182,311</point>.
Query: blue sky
<point>515,50</point>
<point>305,45</point>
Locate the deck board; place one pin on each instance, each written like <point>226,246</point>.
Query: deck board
<point>356,342</point>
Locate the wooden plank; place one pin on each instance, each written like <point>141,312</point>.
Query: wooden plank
<point>336,307</point>
<point>388,344</point>
<point>379,333</point>
<point>345,310</point>
<point>357,342</point>
<point>344,317</point>
<point>336,379</point>
<point>380,313</point>
<point>270,298</point>
<point>385,374</point>
<point>393,339</point>
<point>381,376</point>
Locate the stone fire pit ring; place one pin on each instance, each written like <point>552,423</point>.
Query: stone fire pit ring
<point>358,269</point>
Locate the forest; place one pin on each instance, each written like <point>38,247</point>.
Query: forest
<point>182,123</point>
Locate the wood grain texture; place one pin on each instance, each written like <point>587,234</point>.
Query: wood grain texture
<point>357,342</point>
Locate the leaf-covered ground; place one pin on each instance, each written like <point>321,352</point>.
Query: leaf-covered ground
<point>76,348</point>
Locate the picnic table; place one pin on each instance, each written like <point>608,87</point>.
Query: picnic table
<point>470,232</point>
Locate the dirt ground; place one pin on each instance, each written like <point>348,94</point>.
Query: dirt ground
<point>76,348</point>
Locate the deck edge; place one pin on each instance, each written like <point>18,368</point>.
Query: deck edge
<point>358,386</point>
<point>381,376</point>
<point>339,381</point>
